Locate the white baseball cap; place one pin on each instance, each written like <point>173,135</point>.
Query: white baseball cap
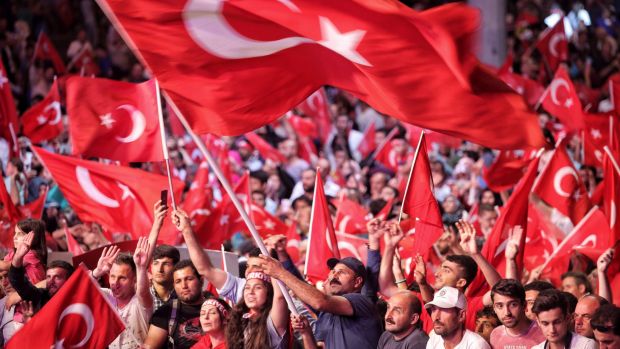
<point>448,297</point>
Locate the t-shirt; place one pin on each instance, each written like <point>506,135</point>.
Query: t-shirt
<point>415,340</point>
<point>576,342</point>
<point>501,339</point>
<point>359,331</point>
<point>470,340</point>
<point>232,289</point>
<point>136,319</point>
<point>188,330</point>
<point>205,343</point>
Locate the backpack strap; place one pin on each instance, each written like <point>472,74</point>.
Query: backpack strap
<point>172,323</point>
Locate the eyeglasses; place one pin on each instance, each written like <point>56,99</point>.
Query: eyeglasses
<point>584,317</point>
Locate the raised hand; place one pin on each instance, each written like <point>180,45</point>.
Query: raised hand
<point>514,238</point>
<point>468,237</point>
<point>159,214</point>
<point>108,256</point>
<point>181,220</point>
<point>393,235</point>
<point>604,260</point>
<point>419,273</point>
<point>27,311</point>
<point>375,231</point>
<point>271,266</point>
<point>22,249</point>
<point>141,254</point>
<point>300,323</point>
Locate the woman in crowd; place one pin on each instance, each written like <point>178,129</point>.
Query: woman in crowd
<point>213,320</point>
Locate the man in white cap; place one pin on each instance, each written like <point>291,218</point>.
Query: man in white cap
<point>447,310</point>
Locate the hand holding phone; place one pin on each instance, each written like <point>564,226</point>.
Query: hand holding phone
<point>164,198</point>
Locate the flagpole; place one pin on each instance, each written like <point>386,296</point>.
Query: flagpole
<point>231,193</point>
<point>611,157</point>
<point>223,258</point>
<point>415,158</point>
<point>567,237</point>
<point>164,147</point>
<point>316,179</point>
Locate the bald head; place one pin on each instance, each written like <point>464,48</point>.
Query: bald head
<point>586,307</point>
<point>403,314</point>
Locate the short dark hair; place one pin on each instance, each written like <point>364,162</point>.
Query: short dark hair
<point>548,300</point>
<point>126,259</point>
<point>261,175</point>
<point>580,279</point>
<point>487,311</point>
<point>469,266</point>
<point>571,301</point>
<point>62,265</point>
<point>606,319</point>
<point>255,252</point>
<point>163,251</point>
<point>509,288</point>
<point>538,285</point>
<point>185,263</point>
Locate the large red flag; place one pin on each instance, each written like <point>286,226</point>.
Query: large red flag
<point>561,100</point>
<point>266,224</point>
<point>119,198</point>
<point>611,194</point>
<point>8,112</point>
<point>541,239</point>
<point>553,45</point>
<point>561,187</point>
<point>78,316</point>
<point>43,121</point>
<point>45,50</point>
<point>34,209</point>
<point>531,90</point>
<point>419,203</point>
<point>351,217</point>
<point>508,167</point>
<point>304,127</point>
<point>597,134</point>
<point>113,119</point>
<point>322,242</point>
<point>256,59</point>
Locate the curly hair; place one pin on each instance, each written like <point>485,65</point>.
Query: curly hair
<point>256,326</point>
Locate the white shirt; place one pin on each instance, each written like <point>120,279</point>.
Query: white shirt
<point>470,340</point>
<point>136,319</point>
<point>577,342</point>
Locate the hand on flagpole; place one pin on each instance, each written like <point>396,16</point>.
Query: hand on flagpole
<point>181,220</point>
<point>604,260</point>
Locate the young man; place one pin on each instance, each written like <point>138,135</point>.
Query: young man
<point>553,319</point>
<point>448,313</point>
<point>532,290</point>
<point>402,323</point>
<point>606,325</point>
<point>585,309</point>
<point>576,283</point>
<point>165,257</point>
<point>517,331</point>
<point>129,291</point>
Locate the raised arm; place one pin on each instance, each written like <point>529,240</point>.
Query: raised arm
<point>108,256</point>
<point>300,324</point>
<point>468,244</point>
<point>17,274</point>
<point>279,310</point>
<point>511,253</point>
<point>159,214</point>
<point>604,290</point>
<point>387,284</point>
<point>142,259</point>
<point>216,277</point>
<point>306,292</point>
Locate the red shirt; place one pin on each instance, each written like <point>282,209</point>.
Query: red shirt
<point>205,343</point>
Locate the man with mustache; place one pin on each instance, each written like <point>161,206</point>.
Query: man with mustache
<point>448,313</point>
<point>402,323</point>
<point>517,331</point>
<point>585,309</point>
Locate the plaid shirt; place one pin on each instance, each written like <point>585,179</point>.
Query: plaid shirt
<point>157,301</point>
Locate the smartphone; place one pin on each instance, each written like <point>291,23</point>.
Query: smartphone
<point>164,198</point>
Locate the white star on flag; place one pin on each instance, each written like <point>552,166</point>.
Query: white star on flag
<point>269,224</point>
<point>596,133</point>
<point>126,192</point>
<point>106,120</point>
<point>344,44</point>
<point>224,219</point>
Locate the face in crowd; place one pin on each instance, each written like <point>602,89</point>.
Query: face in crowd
<point>256,293</point>
<point>446,321</point>
<point>400,317</point>
<point>55,278</point>
<point>122,281</point>
<point>161,270</point>
<point>342,280</point>
<point>212,320</point>
<point>554,324</point>
<point>187,285</point>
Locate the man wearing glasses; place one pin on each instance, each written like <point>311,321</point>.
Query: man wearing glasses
<point>606,325</point>
<point>585,309</point>
<point>517,331</point>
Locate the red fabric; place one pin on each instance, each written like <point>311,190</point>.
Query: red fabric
<point>530,90</point>
<point>8,113</point>
<point>72,245</point>
<point>43,121</point>
<point>292,243</point>
<point>265,149</point>
<point>541,239</point>
<point>304,126</point>
<point>351,217</point>
<point>322,241</point>
<point>77,313</point>
<point>119,198</point>
<point>507,169</point>
<point>34,209</point>
<point>35,270</point>
<point>114,119</point>
<point>596,135</point>
<point>316,107</point>
<point>420,205</point>
<point>205,343</point>
<point>560,186</point>
<point>247,87</point>
<point>387,156</point>
<point>561,100</point>
<point>611,195</point>
<point>386,210</point>
<point>554,46</point>
<point>368,144</point>
<point>90,258</point>
<point>85,64</point>
<point>45,50</point>
<point>414,132</point>
<point>352,246</point>
<point>266,224</point>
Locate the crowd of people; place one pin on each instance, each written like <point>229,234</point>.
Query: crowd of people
<point>382,302</point>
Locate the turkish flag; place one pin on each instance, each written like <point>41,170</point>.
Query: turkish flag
<point>420,204</point>
<point>45,50</point>
<point>114,119</point>
<point>43,121</point>
<point>322,242</point>
<point>386,210</point>
<point>368,144</point>
<point>387,155</point>
<point>560,186</point>
<point>119,198</point>
<point>292,242</point>
<point>266,224</point>
<point>597,134</point>
<point>352,246</point>
<point>531,90</point>
<point>611,196</point>
<point>85,64</point>
<point>541,239</point>
<point>304,126</point>
<point>507,169</point>
<point>351,217</point>
<point>78,315</point>
<point>256,59</point>
<point>72,245</point>
<point>316,107</point>
<point>34,209</point>
<point>561,100</point>
<point>553,45</point>
<point>8,113</point>
<point>265,149</point>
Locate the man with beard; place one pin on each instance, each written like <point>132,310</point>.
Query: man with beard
<point>129,291</point>
<point>517,331</point>
<point>347,319</point>
<point>586,307</point>
<point>56,275</point>
<point>448,313</point>
<point>402,323</point>
<point>164,259</point>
